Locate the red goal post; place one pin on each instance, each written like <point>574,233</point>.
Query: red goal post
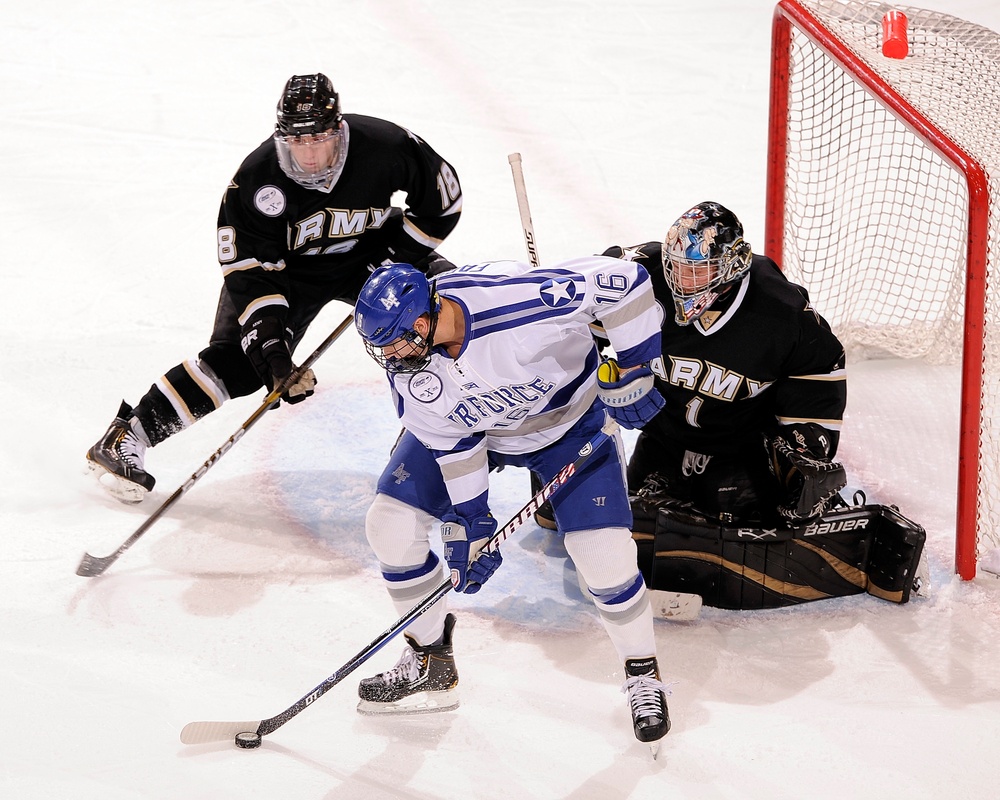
<point>883,185</point>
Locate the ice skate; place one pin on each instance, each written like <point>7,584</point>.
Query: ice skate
<point>546,518</point>
<point>425,680</point>
<point>647,699</point>
<point>117,460</point>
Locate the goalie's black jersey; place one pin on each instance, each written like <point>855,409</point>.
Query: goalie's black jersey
<point>273,232</point>
<point>759,358</point>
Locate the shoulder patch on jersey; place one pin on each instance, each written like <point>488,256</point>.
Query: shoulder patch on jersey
<point>557,292</point>
<point>425,387</point>
<point>270,201</point>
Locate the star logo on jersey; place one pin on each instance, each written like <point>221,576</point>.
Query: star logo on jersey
<point>557,292</point>
<point>631,253</point>
<point>708,319</point>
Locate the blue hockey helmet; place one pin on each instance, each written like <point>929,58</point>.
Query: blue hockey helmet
<point>393,298</point>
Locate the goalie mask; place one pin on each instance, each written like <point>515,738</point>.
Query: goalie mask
<point>390,303</point>
<point>703,253</point>
<point>309,137</point>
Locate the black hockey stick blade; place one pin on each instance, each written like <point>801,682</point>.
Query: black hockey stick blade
<point>204,732</point>
<point>91,566</point>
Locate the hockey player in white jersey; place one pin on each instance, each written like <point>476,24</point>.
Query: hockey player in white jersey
<point>495,365</point>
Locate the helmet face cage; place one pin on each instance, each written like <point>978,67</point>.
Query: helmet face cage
<point>704,251</point>
<point>308,136</point>
<point>390,303</point>
<point>409,353</point>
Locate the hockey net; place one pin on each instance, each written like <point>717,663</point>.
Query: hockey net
<point>883,187</point>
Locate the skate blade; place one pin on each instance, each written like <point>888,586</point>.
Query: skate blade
<point>676,606</point>
<point>419,703</point>
<point>124,491</point>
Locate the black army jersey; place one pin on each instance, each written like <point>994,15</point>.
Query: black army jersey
<point>274,234</point>
<point>760,357</point>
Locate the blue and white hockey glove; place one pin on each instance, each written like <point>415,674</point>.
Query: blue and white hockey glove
<point>464,539</point>
<point>632,399</point>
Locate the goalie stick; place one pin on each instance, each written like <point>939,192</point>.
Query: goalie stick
<point>203,732</point>
<point>91,566</point>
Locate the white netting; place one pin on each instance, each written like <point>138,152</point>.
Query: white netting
<point>876,222</point>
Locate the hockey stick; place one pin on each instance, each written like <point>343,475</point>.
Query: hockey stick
<point>202,732</point>
<point>522,206</point>
<point>95,565</point>
<point>521,192</point>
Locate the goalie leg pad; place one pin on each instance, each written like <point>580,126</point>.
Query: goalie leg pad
<point>744,569</point>
<point>655,493</point>
<point>896,548</point>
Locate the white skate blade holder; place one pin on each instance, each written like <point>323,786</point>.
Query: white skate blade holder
<point>122,489</point>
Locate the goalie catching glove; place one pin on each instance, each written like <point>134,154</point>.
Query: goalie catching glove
<point>464,539</point>
<point>265,342</point>
<point>806,476</point>
<point>631,398</point>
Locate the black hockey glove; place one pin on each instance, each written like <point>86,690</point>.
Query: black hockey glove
<point>434,264</point>
<point>431,265</point>
<point>265,342</point>
<point>807,477</point>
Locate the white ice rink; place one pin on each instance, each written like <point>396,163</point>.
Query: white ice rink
<point>120,126</point>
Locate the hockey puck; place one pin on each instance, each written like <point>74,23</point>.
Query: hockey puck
<point>248,740</point>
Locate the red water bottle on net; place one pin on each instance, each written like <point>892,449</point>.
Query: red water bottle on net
<point>894,43</point>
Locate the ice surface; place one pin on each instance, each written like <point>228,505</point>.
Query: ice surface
<point>120,126</point>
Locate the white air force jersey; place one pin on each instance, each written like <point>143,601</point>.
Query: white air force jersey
<point>527,369</point>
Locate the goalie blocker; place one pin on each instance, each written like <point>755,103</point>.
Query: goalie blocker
<point>849,550</point>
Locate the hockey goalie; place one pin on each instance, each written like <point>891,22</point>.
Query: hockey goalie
<point>734,485</point>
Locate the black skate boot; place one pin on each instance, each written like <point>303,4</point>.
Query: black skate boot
<point>424,680</point>
<point>118,460</point>
<point>647,699</point>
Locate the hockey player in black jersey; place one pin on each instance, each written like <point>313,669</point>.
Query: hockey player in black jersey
<point>303,222</point>
<point>734,483</point>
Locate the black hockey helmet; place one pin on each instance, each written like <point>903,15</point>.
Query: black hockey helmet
<point>308,105</point>
<point>310,141</point>
<point>704,251</point>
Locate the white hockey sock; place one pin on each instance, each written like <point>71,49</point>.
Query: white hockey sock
<point>399,535</point>
<point>606,558</point>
